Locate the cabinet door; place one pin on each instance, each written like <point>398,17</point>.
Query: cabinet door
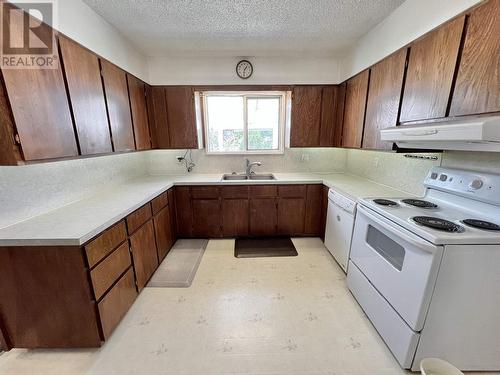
<point>384,96</point>
<point>235,217</point>
<point>144,255</point>
<point>478,80</point>
<point>263,217</point>
<point>39,105</point>
<point>184,212</point>
<point>354,110</point>
<point>157,113</point>
<point>163,233</point>
<point>87,97</point>
<point>429,77</point>
<point>139,112</point>
<point>314,200</point>
<point>324,211</point>
<point>306,116</point>
<point>171,208</point>
<point>4,342</point>
<point>181,117</point>
<point>332,116</point>
<point>207,218</point>
<point>291,215</point>
<point>120,119</point>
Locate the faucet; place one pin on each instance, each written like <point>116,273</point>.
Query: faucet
<point>250,165</point>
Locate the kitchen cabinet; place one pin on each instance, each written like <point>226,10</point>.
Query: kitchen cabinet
<point>184,212</point>
<point>106,242</point>
<point>384,96</point>
<point>306,116</point>
<point>263,216</point>
<point>157,114</point>
<point>313,211</point>
<point>207,218</point>
<point>332,116</point>
<point>144,254</point>
<point>4,341</point>
<point>83,76</point>
<point>163,233</point>
<point>478,80</point>
<point>324,211</point>
<point>430,71</point>
<point>235,217</point>
<point>354,110</point>
<point>181,117</point>
<point>39,106</point>
<point>291,214</point>
<point>138,106</point>
<point>171,208</point>
<point>138,217</point>
<point>117,101</point>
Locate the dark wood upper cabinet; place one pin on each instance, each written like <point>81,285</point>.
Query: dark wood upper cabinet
<point>39,105</point>
<point>157,114</point>
<point>332,116</point>
<point>181,117</point>
<point>478,81</point>
<point>354,109</point>
<point>139,111</point>
<point>384,96</point>
<point>86,94</point>
<point>430,71</point>
<point>117,100</point>
<point>306,116</point>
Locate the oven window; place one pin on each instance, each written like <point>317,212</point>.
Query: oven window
<point>389,249</point>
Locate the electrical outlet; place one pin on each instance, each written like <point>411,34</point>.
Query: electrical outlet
<point>180,159</point>
<point>304,157</point>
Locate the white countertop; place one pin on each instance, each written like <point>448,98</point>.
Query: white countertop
<point>78,222</point>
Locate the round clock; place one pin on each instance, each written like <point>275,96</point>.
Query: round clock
<point>244,69</point>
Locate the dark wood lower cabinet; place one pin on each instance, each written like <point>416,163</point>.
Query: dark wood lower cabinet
<point>313,214</point>
<point>116,303</point>
<point>4,340</point>
<point>171,208</point>
<point>145,258</point>
<point>163,233</point>
<point>291,213</point>
<point>207,218</point>
<point>235,217</point>
<point>184,212</point>
<point>263,216</point>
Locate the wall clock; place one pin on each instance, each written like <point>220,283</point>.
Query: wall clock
<point>244,69</point>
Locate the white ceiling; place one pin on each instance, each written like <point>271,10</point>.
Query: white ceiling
<point>243,27</point>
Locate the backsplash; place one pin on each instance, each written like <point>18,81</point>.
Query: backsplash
<point>324,160</point>
<point>391,169</point>
<point>30,190</point>
<point>477,161</point>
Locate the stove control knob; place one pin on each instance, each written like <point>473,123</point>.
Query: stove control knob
<point>476,184</point>
<point>443,177</point>
<point>434,175</point>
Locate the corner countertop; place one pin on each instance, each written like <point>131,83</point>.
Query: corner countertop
<point>78,222</point>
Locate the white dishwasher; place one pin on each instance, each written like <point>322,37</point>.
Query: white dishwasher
<point>339,226</point>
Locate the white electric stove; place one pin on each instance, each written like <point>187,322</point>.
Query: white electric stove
<point>427,271</point>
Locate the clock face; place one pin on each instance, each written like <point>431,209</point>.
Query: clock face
<point>244,69</point>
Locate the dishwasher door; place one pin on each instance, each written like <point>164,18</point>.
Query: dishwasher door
<point>339,228</point>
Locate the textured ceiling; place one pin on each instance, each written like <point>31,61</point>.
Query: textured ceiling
<point>243,27</point>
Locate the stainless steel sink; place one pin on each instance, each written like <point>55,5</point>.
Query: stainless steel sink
<point>242,177</point>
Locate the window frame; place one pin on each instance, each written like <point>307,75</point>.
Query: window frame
<point>282,95</point>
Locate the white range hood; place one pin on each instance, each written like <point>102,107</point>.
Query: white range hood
<point>473,134</point>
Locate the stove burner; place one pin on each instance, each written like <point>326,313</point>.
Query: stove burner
<point>385,202</point>
<point>481,224</point>
<point>437,223</point>
<point>419,203</point>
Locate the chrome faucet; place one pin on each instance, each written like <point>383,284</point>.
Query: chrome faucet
<point>250,165</point>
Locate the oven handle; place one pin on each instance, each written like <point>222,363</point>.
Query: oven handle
<point>389,226</point>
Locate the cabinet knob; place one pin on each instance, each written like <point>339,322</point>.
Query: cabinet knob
<point>338,217</point>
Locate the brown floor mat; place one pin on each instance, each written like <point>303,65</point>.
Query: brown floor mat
<point>264,247</point>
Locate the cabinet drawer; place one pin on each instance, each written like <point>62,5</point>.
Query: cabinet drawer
<point>159,202</point>
<point>204,192</point>
<point>116,303</point>
<point>234,192</point>
<point>292,191</point>
<point>110,269</point>
<point>263,191</point>
<point>98,248</point>
<point>138,217</point>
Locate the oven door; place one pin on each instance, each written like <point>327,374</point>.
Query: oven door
<point>400,265</point>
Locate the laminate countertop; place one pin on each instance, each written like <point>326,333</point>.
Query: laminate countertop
<point>78,222</point>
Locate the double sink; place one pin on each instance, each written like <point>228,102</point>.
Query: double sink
<point>251,177</point>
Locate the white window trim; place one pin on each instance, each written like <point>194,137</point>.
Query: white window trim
<point>247,94</point>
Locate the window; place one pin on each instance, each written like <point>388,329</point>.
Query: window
<point>244,122</point>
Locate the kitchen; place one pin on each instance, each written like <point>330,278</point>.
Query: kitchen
<point>168,136</point>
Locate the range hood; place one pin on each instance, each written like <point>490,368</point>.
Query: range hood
<point>473,134</point>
